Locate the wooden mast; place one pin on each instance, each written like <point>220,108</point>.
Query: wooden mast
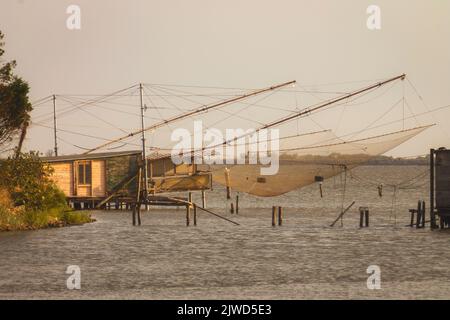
<point>54,127</point>
<point>144,157</point>
<point>310,110</point>
<point>191,113</point>
<point>333,101</point>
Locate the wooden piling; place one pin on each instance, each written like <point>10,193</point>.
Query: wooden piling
<point>138,198</point>
<point>361,218</point>
<point>203,199</point>
<point>273,216</point>
<point>423,213</point>
<point>231,207</point>
<point>188,215</point>
<point>195,215</point>
<point>280,216</point>
<point>433,224</point>
<point>419,214</point>
<point>366,213</point>
<point>139,214</point>
<point>412,211</point>
<point>227,183</point>
<point>237,204</point>
<point>133,215</point>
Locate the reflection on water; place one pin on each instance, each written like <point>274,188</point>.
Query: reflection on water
<point>304,258</point>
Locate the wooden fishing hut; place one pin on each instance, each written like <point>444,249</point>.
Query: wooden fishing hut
<point>440,187</point>
<point>104,180</point>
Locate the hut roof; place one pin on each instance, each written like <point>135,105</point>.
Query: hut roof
<point>91,156</point>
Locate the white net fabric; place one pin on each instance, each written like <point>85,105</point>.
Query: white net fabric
<point>301,166</point>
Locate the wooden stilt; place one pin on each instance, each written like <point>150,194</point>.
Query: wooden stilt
<point>227,183</point>
<point>366,213</point>
<point>195,215</point>
<point>188,215</point>
<point>231,207</point>
<point>138,199</point>
<point>139,213</point>
<point>273,216</point>
<point>419,214</point>
<point>237,204</point>
<point>412,211</point>
<point>280,216</point>
<point>433,224</point>
<point>361,218</point>
<point>133,215</point>
<point>203,199</point>
<point>423,213</point>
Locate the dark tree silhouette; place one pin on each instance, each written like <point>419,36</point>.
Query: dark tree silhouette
<point>15,107</point>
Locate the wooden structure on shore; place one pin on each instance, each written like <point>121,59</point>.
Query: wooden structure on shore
<point>114,179</point>
<point>440,187</point>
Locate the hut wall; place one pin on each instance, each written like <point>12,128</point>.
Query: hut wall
<point>185,169</point>
<point>442,178</point>
<point>117,169</point>
<point>166,168</point>
<point>98,178</point>
<point>63,177</point>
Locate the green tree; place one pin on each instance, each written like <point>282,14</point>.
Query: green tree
<point>28,180</point>
<point>15,107</point>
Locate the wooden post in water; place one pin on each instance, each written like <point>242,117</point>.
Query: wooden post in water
<point>137,208</point>
<point>366,213</point>
<point>280,216</point>
<point>419,214</point>
<point>423,213</point>
<point>195,215</point>
<point>432,213</point>
<point>227,183</point>
<point>203,199</point>
<point>273,216</point>
<point>139,213</point>
<point>412,217</point>
<point>188,209</point>
<point>188,215</point>
<point>133,215</point>
<point>361,217</point>
<point>232,208</point>
<point>237,203</point>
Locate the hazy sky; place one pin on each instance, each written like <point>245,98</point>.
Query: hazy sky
<point>230,43</point>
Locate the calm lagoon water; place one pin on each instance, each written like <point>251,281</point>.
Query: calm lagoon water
<point>303,259</point>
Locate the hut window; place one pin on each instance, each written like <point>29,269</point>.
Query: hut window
<point>84,173</point>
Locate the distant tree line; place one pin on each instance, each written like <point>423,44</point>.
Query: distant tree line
<point>385,160</point>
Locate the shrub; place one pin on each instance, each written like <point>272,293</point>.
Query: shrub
<point>27,179</point>
<point>29,199</point>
